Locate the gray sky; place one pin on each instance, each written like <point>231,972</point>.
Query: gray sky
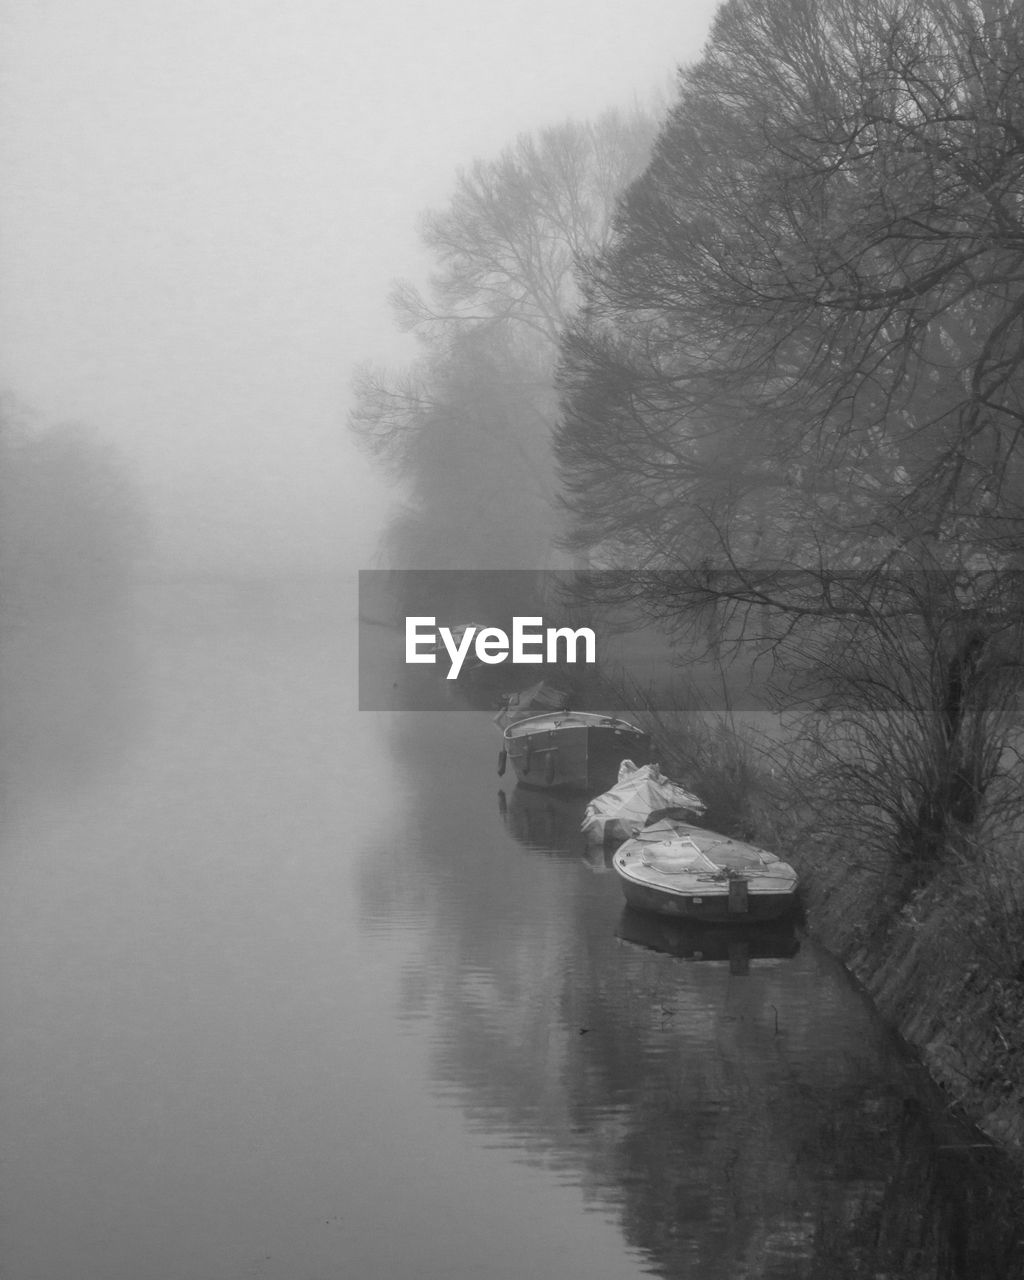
<point>203,203</point>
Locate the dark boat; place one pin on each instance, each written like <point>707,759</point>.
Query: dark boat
<point>573,750</point>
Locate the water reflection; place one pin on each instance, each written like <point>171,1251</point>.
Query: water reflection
<point>546,822</point>
<point>737,944</point>
<point>69,697</point>
<point>276,976</point>
<point>747,1118</point>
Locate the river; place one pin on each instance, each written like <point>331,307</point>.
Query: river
<point>294,991</point>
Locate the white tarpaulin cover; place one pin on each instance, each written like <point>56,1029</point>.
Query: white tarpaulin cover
<point>676,857</point>
<point>639,793</point>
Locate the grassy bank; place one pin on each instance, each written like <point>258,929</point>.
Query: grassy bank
<point>944,963</point>
<point>942,954</point>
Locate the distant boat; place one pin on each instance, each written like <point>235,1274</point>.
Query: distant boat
<point>675,869</point>
<point>574,750</point>
<point>641,793</point>
<point>470,662</point>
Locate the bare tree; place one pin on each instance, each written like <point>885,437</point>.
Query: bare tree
<point>467,430</point>
<point>798,376</point>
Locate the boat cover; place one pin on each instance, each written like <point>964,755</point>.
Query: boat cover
<point>722,852</point>
<point>640,792</point>
<point>537,698</point>
<point>677,857</point>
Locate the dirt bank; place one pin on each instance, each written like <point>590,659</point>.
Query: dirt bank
<point>944,965</point>
<point>942,957</point>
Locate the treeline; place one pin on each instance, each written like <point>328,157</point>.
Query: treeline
<point>466,432</point>
<point>763,365</point>
<point>72,527</point>
<point>795,393</point>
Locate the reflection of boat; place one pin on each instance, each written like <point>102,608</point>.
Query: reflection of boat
<point>538,698</point>
<point>641,793</point>
<point>544,820</point>
<point>676,869</point>
<point>699,940</point>
<point>577,750</point>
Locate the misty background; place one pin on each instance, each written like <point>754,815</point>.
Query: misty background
<point>264,960</point>
<point>203,207</point>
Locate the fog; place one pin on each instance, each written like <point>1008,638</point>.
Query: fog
<point>203,206</point>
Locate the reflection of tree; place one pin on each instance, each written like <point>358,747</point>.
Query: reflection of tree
<point>70,523</point>
<point>755,1125</point>
<point>68,698</point>
<point>70,529</point>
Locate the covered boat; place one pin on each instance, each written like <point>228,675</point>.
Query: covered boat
<point>675,869</point>
<point>642,793</point>
<point>575,750</point>
<point>538,698</point>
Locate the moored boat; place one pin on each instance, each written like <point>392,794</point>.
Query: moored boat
<point>675,869</point>
<point>574,750</point>
<point>641,793</point>
<point>533,701</point>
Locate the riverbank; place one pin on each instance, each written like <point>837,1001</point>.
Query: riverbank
<point>944,965</point>
<point>942,960</point>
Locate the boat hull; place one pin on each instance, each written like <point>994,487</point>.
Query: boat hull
<point>680,905</point>
<point>570,753</point>
<point>687,873</point>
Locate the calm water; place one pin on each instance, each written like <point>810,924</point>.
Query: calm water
<point>293,991</point>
